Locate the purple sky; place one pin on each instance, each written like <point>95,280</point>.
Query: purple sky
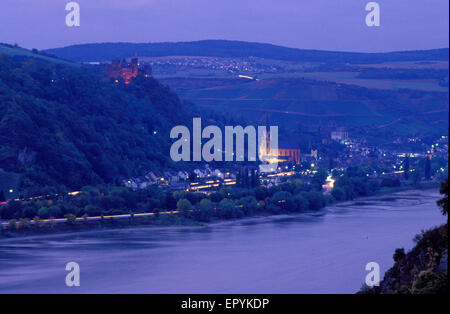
<point>309,24</point>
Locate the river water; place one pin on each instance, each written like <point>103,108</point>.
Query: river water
<point>323,252</point>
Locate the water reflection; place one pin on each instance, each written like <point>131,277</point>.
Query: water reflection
<point>320,252</point>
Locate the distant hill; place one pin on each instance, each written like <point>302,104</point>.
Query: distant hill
<point>225,48</point>
<point>14,50</point>
<point>62,126</point>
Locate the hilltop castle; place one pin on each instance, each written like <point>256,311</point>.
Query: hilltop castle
<point>126,71</point>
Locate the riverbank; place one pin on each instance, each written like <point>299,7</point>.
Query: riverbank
<point>62,226</point>
<point>318,252</point>
<point>420,186</point>
<point>167,219</point>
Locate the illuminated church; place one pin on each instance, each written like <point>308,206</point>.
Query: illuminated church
<point>286,152</point>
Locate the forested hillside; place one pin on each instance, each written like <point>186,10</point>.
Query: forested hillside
<point>59,125</point>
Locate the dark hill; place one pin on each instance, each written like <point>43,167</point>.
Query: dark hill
<point>60,125</point>
<point>225,48</point>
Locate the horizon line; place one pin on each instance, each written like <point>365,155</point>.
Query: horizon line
<point>241,41</point>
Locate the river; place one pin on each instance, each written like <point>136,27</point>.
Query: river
<point>323,252</point>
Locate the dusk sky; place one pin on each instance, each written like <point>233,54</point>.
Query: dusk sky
<point>309,24</point>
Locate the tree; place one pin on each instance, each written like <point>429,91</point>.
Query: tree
<point>254,181</point>
<point>216,197</point>
<point>319,179</point>
<point>90,210</point>
<point>406,167</point>
<point>283,200</point>
<point>390,182</point>
<point>443,202</point>
<point>427,168</point>
<point>301,203</point>
<point>260,193</point>
<point>415,176</point>
<point>245,178</point>
<point>373,186</point>
<point>204,211</point>
<point>399,254</point>
<point>43,212</point>
<point>171,202</point>
<point>184,206</point>
<point>338,193</point>
<point>206,205</point>
<point>315,199</point>
<point>227,210</point>
<point>248,205</point>
<point>239,178</point>
<point>354,172</point>
<point>55,211</point>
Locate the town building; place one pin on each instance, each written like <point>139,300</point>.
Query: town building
<point>339,135</point>
<point>286,152</point>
